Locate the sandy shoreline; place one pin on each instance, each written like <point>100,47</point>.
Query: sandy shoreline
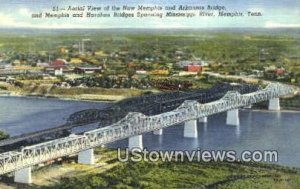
<point>88,98</point>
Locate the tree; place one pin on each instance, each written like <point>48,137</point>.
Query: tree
<point>130,73</point>
<point>3,135</point>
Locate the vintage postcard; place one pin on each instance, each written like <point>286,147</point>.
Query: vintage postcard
<point>149,94</point>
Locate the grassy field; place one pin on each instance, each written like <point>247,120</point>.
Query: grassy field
<point>220,175</point>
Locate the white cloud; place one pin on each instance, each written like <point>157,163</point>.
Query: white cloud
<point>271,24</point>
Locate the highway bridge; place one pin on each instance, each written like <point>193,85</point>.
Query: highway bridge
<point>132,126</point>
<point>147,104</point>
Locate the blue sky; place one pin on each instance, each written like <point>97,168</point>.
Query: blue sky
<point>276,13</point>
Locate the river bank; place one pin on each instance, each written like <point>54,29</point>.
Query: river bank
<point>86,97</point>
<point>48,90</point>
<point>109,95</point>
<point>115,98</point>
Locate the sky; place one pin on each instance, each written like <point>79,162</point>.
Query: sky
<point>276,14</point>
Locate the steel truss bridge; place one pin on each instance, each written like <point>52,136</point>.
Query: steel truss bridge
<point>147,104</point>
<point>134,124</point>
<point>155,104</point>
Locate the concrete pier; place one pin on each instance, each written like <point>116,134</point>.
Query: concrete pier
<point>86,157</point>
<point>158,132</point>
<point>190,129</point>
<point>203,119</point>
<point>135,142</point>
<point>233,117</point>
<point>249,106</point>
<point>274,104</point>
<point>23,176</point>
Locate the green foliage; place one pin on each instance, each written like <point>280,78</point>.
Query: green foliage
<point>3,135</point>
<point>185,175</point>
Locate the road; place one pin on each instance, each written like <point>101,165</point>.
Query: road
<point>246,79</point>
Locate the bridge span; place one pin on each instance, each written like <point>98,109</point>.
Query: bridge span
<point>133,126</point>
<point>150,104</point>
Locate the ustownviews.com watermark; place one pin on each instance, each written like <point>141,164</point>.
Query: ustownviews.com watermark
<point>137,154</point>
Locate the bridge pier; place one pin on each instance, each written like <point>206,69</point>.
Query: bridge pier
<point>249,106</point>
<point>135,142</point>
<point>203,119</point>
<point>23,176</point>
<point>86,157</point>
<point>190,129</point>
<point>158,132</point>
<point>274,104</point>
<point>233,117</point>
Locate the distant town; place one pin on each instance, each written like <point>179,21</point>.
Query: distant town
<point>56,64</point>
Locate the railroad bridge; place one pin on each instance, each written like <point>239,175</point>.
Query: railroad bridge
<point>147,104</point>
<point>134,124</point>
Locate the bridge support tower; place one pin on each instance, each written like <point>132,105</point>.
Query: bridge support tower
<point>203,119</point>
<point>190,129</point>
<point>158,132</point>
<point>23,176</point>
<point>249,106</point>
<point>233,117</point>
<point>274,104</point>
<point>86,157</point>
<point>135,142</point>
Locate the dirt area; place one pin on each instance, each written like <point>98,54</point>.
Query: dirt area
<point>45,175</point>
<point>5,186</point>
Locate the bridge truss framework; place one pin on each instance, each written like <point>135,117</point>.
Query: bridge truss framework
<point>132,125</point>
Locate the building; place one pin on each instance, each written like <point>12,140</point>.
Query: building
<point>193,68</point>
<point>58,72</point>
<point>54,71</point>
<point>75,61</point>
<point>3,78</point>
<point>16,62</point>
<point>56,67</point>
<point>42,64</point>
<point>184,63</point>
<point>87,70</point>
<point>279,71</point>
<point>100,53</point>
<point>58,63</point>
<point>179,53</point>
<point>184,73</point>
<point>270,68</point>
<point>159,72</point>
<point>141,72</point>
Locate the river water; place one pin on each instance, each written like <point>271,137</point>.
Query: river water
<point>258,130</point>
<point>20,115</point>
